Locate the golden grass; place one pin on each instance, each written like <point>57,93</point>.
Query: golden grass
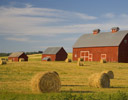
<point>16,77</point>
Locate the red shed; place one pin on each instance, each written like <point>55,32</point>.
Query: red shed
<point>55,54</point>
<point>111,46</point>
<point>16,56</point>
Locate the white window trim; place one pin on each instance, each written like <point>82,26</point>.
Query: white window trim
<point>103,55</point>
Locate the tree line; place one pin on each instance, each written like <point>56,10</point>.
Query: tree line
<point>28,53</point>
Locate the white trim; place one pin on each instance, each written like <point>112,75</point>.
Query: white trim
<point>103,55</point>
<point>84,56</point>
<point>90,58</point>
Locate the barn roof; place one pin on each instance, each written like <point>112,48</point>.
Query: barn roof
<point>100,39</point>
<point>52,50</point>
<point>15,54</point>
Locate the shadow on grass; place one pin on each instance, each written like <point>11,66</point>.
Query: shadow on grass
<point>76,91</point>
<point>116,87</point>
<point>72,85</point>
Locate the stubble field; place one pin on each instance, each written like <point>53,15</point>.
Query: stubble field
<point>15,77</point>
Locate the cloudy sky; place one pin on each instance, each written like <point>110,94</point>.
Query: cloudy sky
<point>34,25</point>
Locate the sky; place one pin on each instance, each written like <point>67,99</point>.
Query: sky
<point>34,25</point>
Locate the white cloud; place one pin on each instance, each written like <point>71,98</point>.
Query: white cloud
<point>49,22</point>
<point>17,39</point>
<point>38,21</point>
<point>109,15</point>
<point>84,16</point>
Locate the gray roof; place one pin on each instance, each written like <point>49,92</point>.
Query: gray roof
<point>52,50</point>
<point>100,39</point>
<point>15,54</point>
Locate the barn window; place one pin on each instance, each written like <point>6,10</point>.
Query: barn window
<point>125,41</point>
<point>103,56</point>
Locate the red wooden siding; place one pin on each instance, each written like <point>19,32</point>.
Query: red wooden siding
<point>24,56</point>
<point>16,59</point>
<point>52,56</point>
<point>123,50</point>
<point>96,53</point>
<point>61,55</point>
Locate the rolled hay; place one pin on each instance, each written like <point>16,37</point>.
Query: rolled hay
<point>80,63</point>
<point>109,73</point>
<point>103,61</point>
<point>80,59</point>
<point>99,80</point>
<point>46,82</point>
<point>55,73</point>
<point>3,62</point>
<point>68,60</point>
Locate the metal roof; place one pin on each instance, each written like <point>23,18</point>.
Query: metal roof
<point>52,50</point>
<point>100,39</point>
<point>15,54</point>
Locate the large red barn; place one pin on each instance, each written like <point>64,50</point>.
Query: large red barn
<point>111,46</point>
<point>54,54</point>
<point>16,56</point>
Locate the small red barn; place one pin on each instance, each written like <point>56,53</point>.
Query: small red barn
<point>16,56</point>
<point>111,46</point>
<point>54,54</point>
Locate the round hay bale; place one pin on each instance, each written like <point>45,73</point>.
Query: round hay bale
<point>55,73</point>
<point>68,60</point>
<point>80,63</point>
<point>103,61</point>
<point>80,59</point>
<point>99,80</point>
<point>109,73</point>
<point>2,62</point>
<point>46,82</point>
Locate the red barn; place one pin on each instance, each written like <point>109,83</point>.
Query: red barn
<point>54,54</point>
<point>16,56</point>
<point>111,46</point>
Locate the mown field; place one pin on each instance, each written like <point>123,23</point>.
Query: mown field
<point>15,78</point>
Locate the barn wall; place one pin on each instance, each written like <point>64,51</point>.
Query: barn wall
<point>52,56</point>
<point>24,56</point>
<point>123,50</point>
<point>14,59</point>
<point>111,53</point>
<point>61,55</point>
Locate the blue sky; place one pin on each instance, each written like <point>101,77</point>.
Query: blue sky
<point>34,25</point>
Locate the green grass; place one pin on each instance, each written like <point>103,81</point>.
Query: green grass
<point>15,78</point>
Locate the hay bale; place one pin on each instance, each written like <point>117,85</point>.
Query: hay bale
<point>46,82</point>
<point>99,80</point>
<point>80,59</point>
<point>55,73</point>
<point>68,60</point>
<point>80,63</point>
<point>109,73</point>
<point>3,62</point>
<point>103,61</point>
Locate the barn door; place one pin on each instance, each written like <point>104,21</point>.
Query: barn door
<point>86,55</point>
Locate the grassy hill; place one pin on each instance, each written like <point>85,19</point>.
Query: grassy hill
<point>15,77</point>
